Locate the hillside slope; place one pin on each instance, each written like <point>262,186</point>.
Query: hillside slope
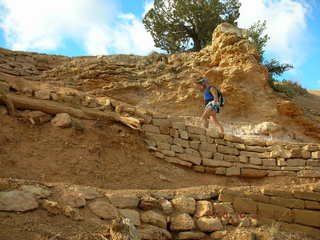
<point>165,83</point>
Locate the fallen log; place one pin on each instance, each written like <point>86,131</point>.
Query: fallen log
<point>52,107</point>
<point>7,101</point>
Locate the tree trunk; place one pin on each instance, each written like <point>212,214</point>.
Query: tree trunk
<point>51,107</point>
<point>197,44</point>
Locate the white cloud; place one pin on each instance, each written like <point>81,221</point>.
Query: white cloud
<point>286,26</point>
<point>44,25</point>
<point>147,6</point>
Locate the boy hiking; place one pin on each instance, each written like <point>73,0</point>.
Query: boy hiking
<point>212,100</point>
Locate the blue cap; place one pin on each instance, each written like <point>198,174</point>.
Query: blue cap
<point>203,80</point>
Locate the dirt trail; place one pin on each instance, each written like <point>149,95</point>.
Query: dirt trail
<point>105,155</point>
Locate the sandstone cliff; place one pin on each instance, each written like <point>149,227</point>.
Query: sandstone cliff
<point>165,83</point>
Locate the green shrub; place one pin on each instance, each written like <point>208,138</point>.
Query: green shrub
<point>288,87</point>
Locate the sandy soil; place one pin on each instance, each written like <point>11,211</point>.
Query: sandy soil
<point>105,155</point>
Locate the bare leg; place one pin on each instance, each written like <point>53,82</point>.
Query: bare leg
<point>216,122</point>
<point>205,116</point>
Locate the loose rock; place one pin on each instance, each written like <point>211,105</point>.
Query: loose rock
<point>123,201</point>
<point>38,192</point>
<point>133,215</point>
<point>181,222</point>
<point>17,201</point>
<point>184,204</point>
<point>51,206</point>
<point>62,120</point>
<point>149,232</point>
<point>73,199</point>
<point>154,218</point>
<point>104,209</point>
<point>209,224</point>
<point>204,208</point>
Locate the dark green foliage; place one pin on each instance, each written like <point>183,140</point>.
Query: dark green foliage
<point>255,35</point>
<point>275,68</point>
<point>181,25</point>
<point>290,88</point>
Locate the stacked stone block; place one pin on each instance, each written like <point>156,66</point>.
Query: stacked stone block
<point>295,209</point>
<point>190,213</point>
<point>204,150</point>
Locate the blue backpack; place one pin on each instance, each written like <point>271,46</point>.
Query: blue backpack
<point>220,97</point>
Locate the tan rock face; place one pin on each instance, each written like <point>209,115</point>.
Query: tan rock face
<point>231,63</point>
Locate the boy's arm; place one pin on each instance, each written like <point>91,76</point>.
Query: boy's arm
<point>214,93</point>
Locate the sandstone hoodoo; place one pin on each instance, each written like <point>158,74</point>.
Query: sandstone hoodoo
<point>112,147</point>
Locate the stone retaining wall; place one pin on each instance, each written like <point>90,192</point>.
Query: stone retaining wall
<point>190,213</point>
<point>204,150</point>
<point>200,149</point>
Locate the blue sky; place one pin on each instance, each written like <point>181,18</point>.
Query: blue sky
<point>95,27</point>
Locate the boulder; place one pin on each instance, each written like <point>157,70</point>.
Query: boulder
<point>17,201</point>
<point>218,234</point>
<point>223,208</point>
<point>88,193</point>
<point>184,204</point>
<point>73,199</point>
<point>62,120</point>
<point>148,203</point>
<point>37,191</point>
<point>154,218</point>
<point>204,208</point>
<point>133,215</point>
<point>191,235</point>
<point>104,209</point>
<point>123,201</point>
<point>51,206</point>
<point>72,213</point>
<point>181,222</point>
<point>266,128</point>
<point>149,232</point>
<point>209,224</point>
<point>166,206</point>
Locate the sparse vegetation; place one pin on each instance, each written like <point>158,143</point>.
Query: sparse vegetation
<point>255,36</point>
<point>275,68</point>
<point>290,88</point>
